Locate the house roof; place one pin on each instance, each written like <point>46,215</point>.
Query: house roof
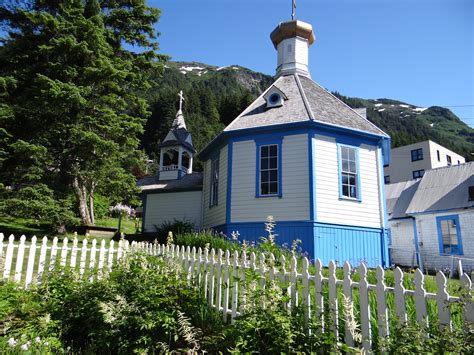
<point>182,138</point>
<point>444,189</point>
<point>440,189</point>
<point>306,101</point>
<point>189,182</point>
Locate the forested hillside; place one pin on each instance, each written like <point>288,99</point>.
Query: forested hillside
<point>215,96</point>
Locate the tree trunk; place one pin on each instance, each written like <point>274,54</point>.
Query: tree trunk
<point>81,194</point>
<point>91,205</point>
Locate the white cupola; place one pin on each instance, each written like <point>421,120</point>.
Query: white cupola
<point>176,150</point>
<point>292,40</point>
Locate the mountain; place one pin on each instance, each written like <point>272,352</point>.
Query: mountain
<point>214,96</point>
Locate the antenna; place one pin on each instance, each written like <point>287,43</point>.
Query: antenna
<point>293,9</point>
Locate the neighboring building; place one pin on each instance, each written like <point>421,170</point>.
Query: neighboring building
<point>413,160</point>
<point>432,219</point>
<point>303,156</point>
<point>175,193</point>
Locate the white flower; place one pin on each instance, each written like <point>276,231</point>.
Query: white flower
<point>11,342</point>
<point>25,347</point>
<point>45,343</point>
<point>38,339</point>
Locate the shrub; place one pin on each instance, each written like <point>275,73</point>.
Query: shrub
<point>176,227</point>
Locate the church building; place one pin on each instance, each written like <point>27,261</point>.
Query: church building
<point>296,153</point>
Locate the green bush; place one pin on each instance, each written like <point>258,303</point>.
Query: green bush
<point>176,227</point>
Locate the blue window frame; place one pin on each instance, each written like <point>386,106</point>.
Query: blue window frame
<point>386,179</point>
<point>417,154</point>
<point>449,235</point>
<point>214,193</point>
<point>418,174</point>
<point>349,172</point>
<point>268,169</point>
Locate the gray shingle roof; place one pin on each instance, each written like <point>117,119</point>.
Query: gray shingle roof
<point>188,182</point>
<point>306,101</point>
<point>399,196</point>
<point>443,189</point>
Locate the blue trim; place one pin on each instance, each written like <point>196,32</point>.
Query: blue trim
<point>303,127</point>
<point>144,201</point>
<point>384,206</point>
<point>312,178</point>
<point>263,141</point>
<point>229,182</point>
<point>417,245</point>
<point>339,164</point>
<point>216,157</point>
<point>454,217</point>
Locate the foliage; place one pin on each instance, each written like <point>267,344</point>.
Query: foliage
<point>72,98</point>
<point>176,227</point>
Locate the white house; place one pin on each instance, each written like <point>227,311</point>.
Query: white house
<point>176,192</point>
<point>301,155</point>
<point>413,160</point>
<point>432,219</point>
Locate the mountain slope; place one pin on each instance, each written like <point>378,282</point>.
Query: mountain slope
<point>215,96</point>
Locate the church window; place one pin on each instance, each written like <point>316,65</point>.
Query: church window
<point>269,170</point>
<point>214,182</point>
<point>349,179</point>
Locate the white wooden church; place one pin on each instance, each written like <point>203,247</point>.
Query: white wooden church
<point>296,153</point>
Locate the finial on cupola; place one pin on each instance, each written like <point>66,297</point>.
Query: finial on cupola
<point>179,120</point>
<point>292,40</point>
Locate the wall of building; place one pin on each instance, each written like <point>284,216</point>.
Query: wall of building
<point>331,209</point>
<point>443,152</point>
<point>215,215</point>
<point>294,203</point>
<point>402,249</point>
<point>162,207</point>
<point>428,237</point>
<point>401,167</point>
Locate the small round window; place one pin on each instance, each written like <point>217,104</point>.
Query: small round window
<point>274,98</point>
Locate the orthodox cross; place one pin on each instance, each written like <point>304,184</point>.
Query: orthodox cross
<point>293,9</point>
<point>181,99</point>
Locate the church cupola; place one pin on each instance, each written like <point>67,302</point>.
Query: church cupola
<point>292,40</point>
<point>176,150</point>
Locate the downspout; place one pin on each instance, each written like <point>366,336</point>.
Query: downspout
<point>419,259</point>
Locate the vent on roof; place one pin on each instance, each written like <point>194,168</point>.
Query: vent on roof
<point>471,193</point>
<point>274,97</point>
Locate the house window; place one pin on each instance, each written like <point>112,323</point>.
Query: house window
<point>418,174</point>
<point>417,154</point>
<point>386,178</point>
<point>471,193</point>
<point>349,184</point>
<point>449,235</point>
<point>439,155</point>
<point>448,159</point>
<point>459,162</point>
<point>269,170</point>
<point>214,182</point>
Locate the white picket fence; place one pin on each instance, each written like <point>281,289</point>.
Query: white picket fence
<point>222,276</point>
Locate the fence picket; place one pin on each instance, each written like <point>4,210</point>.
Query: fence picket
<point>54,253</point>
<point>293,279</point>
<point>348,305</point>
<point>234,282</point>
<point>242,287</point>
<point>442,299</point>
<point>82,265</point>
<point>19,258</point>
<point>100,267</point>
<point>420,298</point>
<point>333,303</point>
<point>2,237</point>
<point>110,256</point>
<point>92,259</point>
<point>9,257</point>
<point>399,290</point>
<point>64,251</point>
<point>205,273</point>
<point>198,267</point>
<point>306,300</point>
<point>219,280</point>
<point>74,253</point>
<point>282,277</point>
<point>318,292</point>
<point>192,263</point>
<point>42,259</point>
<point>382,309</point>
<point>467,299</point>
<point>364,308</point>
<point>31,262</point>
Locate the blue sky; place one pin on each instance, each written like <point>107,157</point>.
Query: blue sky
<point>417,51</point>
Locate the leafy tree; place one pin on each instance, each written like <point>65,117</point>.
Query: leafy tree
<point>73,106</point>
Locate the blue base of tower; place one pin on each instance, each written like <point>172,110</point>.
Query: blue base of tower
<point>324,241</point>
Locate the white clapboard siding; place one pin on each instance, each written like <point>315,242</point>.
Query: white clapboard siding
<point>294,204</point>
<point>163,207</point>
<point>223,278</point>
<point>329,208</point>
<point>215,215</point>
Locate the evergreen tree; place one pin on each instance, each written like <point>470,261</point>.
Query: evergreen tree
<point>74,107</point>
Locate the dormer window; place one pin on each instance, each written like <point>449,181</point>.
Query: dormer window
<point>274,97</point>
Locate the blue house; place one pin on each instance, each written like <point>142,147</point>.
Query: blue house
<point>301,155</point>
